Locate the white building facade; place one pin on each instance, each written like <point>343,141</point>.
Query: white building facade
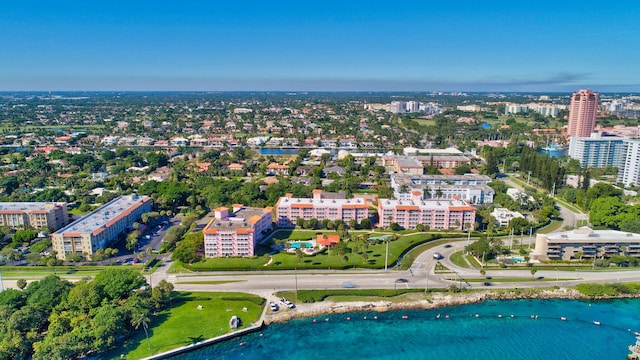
<point>596,150</point>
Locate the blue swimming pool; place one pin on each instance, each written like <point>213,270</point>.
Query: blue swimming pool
<point>298,245</point>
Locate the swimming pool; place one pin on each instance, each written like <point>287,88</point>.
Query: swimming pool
<point>298,245</point>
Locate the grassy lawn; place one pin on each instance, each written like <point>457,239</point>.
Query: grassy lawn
<point>76,211</point>
<point>463,260</point>
<point>553,226</point>
<point>184,324</point>
<point>473,261</point>
<point>18,272</point>
<point>327,259</point>
<point>441,269</point>
<point>425,122</point>
<point>580,223</point>
<point>459,260</point>
<point>567,205</point>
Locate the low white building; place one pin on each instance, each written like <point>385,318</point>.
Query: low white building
<point>587,243</point>
<point>472,188</point>
<point>503,216</point>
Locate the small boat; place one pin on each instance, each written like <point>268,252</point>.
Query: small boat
<point>563,318</point>
<point>234,322</point>
<point>596,323</point>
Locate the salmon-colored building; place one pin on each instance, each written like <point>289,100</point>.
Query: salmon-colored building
<point>582,113</point>
<point>437,214</point>
<point>289,209</point>
<point>236,233</point>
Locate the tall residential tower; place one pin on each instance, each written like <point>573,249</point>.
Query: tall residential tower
<point>582,113</point>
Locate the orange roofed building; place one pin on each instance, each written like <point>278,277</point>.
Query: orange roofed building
<point>437,214</point>
<point>289,209</point>
<point>327,240</point>
<point>236,234</point>
<point>100,228</point>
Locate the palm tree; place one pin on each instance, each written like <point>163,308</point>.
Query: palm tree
<point>142,318</point>
<point>427,192</point>
<point>438,193</point>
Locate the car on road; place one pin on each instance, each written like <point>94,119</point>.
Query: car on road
<point>348,285</point>
<point>438,256</point>
<point>273,306</point>
<point>447,246</point>
<point>402,280</point>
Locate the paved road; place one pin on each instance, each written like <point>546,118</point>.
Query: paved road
<point>569,218</point>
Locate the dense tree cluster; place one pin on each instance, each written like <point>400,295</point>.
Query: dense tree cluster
<point>55,319</point>
<point>547,170</point>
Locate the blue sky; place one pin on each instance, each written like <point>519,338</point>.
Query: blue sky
<point>320,45</point>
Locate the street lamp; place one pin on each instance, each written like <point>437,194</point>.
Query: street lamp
<point>296,276</point>
<point>386,257</point>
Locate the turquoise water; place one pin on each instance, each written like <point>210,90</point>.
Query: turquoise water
<point>462,336</point>
<point>297,245</point>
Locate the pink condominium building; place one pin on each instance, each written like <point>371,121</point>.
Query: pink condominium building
<point>289,209</point>
<point>437,214</point>
<point>582,113</point>
<point>236,234</point>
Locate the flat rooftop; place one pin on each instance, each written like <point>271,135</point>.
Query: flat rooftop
<point>425,204</point>
<point>104,214</point>
<point>27,206</point>
<point>408,179</point>
<point>237,220</point>
<point>310,202</point>
<point>587,235</point>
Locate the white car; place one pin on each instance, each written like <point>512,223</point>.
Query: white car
<point>273,306</point>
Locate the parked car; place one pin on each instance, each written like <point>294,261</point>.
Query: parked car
<point>287,303</point>
<point>438,256</point>
<point>274,307</point>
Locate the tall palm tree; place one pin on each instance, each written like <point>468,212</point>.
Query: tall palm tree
<point>427,192</point>
<point>438,193</point>
<point>142,318</point>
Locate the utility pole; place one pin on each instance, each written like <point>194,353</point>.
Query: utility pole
<point>295,273</point>
<point>386,257</point>
<point>530,231</point>
<point>511,239</point>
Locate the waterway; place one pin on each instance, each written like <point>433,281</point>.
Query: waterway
<point>480,331</point>
<point>278,151</point>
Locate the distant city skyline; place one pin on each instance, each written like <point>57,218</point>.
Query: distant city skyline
<point>319,46</point>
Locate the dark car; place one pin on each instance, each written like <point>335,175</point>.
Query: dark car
<point>402,280</point>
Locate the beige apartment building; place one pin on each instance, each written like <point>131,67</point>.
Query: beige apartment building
<point>34,214</point>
